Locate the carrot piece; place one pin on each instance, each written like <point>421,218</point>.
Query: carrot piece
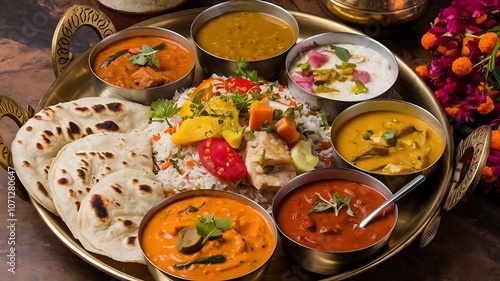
<point>285,127</point>
<point>156,137</point>
<point>165,165</point>
<point>259,114</point>
<point>190,163</point>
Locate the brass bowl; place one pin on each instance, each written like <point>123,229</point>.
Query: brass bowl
<point>269,68</point>
<point>377,17</point>
<point>144,96</point>
<point>393,181</point>
<point>329,262</point>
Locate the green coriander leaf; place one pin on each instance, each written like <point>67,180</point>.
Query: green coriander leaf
<point>367,134</point>
<point>162,109</point>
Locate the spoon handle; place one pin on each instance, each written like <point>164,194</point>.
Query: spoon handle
<point>400,193</point>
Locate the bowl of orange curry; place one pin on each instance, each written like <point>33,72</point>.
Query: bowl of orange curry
<point>253,32</point>
<point>142,64</point>
<point>317,215</point>
<point>207,235</point>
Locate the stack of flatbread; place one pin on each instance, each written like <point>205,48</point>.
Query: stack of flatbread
<point>89,162</point>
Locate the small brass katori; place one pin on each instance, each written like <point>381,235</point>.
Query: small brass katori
<point>377,17</point>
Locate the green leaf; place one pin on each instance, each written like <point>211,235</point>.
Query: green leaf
<point>342,53</point>
<point>359,87</point>
<point>367,134</point>
<point>208,260</point>
<point>336,203</point>
<point>208,227</point>
<point>242,71</point>
<point>112,58</point>
<point>223,223</point>
<point>162,109</point>
<point>147,56</point>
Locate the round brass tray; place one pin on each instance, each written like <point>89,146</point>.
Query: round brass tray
<point>418,212</point>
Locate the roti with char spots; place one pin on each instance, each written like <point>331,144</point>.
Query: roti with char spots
<point>39,140</point>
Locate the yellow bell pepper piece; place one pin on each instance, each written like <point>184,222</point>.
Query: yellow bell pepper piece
<point>185,110</point>
<point>197,129</point>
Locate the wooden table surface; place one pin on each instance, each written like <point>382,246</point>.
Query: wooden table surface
<point>466,247</point>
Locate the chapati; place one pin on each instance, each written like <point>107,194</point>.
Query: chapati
<point>110,215</point>
<point>39,140</point>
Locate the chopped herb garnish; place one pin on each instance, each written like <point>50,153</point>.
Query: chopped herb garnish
<point>336,203</point>
<point>242,71</point>
<point>209,227</point>
<point>367,135</point>
<point>147,56</point>
<point>162,109</point>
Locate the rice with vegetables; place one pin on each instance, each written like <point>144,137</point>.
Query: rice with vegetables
<point>177,148</point>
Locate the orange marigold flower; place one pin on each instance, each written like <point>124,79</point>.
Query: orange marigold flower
<point>487,42</point>
<point>451,111</point>
<point>428,40</point>
<point>486,107</point>
<point>495,140</point>
<point>441,49</point>
<point>422,71</point>
<point>461,66</point>
<point>488,175</point>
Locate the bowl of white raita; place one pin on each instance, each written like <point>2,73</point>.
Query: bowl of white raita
<point>334,70</point>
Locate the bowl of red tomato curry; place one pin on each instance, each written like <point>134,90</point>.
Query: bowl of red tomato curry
<point>142,64</point>
<point>317,216</point>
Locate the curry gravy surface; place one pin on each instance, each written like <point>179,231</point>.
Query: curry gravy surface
<point>245,35</point>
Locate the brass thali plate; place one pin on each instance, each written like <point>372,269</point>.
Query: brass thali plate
<point>416,211</point>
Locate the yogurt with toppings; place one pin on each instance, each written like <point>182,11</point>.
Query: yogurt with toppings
<point>344,72</point>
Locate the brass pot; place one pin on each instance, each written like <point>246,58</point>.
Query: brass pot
<point>377,17</point>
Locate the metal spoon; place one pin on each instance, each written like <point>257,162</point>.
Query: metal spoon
<point>395,197</point>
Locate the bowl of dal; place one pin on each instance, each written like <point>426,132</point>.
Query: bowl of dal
<point>258,32</point>
<point>317,215</point>
<point>390,139</point>
<point>142,64</point>
<point>333,70</point>
<point>207,235</point>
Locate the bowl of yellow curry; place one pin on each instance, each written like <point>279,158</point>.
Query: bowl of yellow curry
<point>207,235</point>
<point>390,139</point>
<point>142,64</point>
<point>257,33</point>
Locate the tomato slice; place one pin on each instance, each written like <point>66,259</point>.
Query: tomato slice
<point>221,160</point>
<point>241,85</point>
